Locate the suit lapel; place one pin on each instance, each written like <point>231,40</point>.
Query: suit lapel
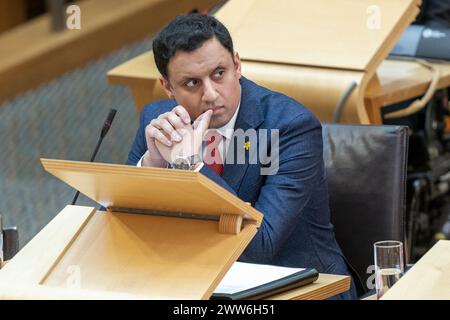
<point>249,117</point>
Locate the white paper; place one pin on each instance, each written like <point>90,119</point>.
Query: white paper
<point>243,276</point>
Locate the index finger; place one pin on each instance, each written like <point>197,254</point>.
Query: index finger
<point>182,113</point>
<point>203,122</point>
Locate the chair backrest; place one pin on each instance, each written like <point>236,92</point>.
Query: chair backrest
<point>366,169</point>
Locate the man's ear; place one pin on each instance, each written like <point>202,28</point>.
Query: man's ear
<point>167,88</point>
<point>237,64</point>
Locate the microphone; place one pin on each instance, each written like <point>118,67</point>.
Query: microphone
<point>105,129</point>
<point>108,122</point>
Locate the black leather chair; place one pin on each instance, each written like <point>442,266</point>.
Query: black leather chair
<point>366,170</point>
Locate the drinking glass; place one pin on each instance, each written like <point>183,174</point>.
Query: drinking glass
<point>389,265</point>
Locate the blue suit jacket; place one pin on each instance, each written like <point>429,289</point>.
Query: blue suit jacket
<point>296,230</point>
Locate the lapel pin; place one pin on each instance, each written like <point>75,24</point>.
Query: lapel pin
<point>247,145</point>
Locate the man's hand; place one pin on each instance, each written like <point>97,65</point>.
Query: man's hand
<point>191,142</point>
<point>164,129</point>
<point>172,135</point>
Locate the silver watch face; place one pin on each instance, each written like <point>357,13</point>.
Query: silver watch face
<point>182,163</point>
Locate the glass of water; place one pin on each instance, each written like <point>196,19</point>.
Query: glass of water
<point>389,265</point>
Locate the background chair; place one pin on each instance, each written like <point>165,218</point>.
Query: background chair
<point>366,169</point>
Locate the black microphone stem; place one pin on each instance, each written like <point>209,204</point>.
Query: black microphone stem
<point>96,149</point>
<point>103,133</point>
<point>92,160</point>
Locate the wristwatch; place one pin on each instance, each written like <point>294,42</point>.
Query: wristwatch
<point>186,162</point>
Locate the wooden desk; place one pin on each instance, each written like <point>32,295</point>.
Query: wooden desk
<point>12,13</point>
<point>402,80</point>
<point>429,278</point>
<point>395,81</point>
<point>140,75</point>
<point>31,54</point>
<point>29,274</point>
<point>328,285</point>
<point>316,70</point>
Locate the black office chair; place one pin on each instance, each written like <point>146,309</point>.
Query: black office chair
<point>366,170</point>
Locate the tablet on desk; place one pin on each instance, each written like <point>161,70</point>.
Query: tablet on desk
<point>258,281</point>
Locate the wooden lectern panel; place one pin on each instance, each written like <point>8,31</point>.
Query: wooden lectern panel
<point>150,256</point>
<point>179,234</point>
<point>88,254</point>
<point>153,189</point>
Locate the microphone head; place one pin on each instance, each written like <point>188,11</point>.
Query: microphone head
<point>108,122</point>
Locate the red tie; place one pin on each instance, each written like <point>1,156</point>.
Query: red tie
<point>212,157</point>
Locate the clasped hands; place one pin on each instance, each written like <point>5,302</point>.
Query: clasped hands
<point>172,135</point>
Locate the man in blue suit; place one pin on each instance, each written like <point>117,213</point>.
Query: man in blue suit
<point>201,75</point>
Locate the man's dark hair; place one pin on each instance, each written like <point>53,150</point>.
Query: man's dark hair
<point>187,33</point>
